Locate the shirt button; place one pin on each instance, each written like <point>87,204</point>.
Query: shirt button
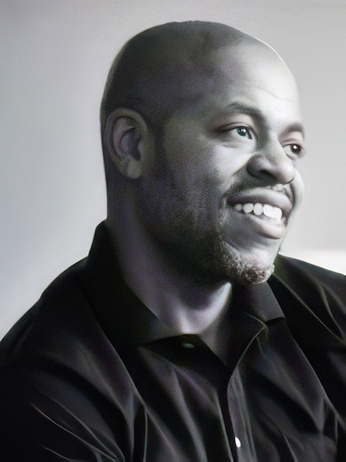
<point>188,345</point>
<point>237,442</point>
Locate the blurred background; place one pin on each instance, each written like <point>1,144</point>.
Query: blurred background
<point>54,58</point>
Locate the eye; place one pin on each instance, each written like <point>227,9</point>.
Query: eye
<point>296,149</point>
<point>237,133</point>
<point>242,132</point>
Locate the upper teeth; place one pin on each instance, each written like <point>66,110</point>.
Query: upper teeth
<point>259,209</point>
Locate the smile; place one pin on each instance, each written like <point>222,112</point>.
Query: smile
<point>275,214</point>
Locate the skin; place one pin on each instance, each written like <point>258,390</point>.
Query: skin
<point>182,244</point>
<point>219,152</point>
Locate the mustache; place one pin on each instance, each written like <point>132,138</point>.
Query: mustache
<point>278,195</point>
<point>243,190</point>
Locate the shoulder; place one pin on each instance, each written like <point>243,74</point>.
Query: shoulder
<point>56,385</point>
<point>297,272</point>
<point>313,301</point>
<point>49,312</point>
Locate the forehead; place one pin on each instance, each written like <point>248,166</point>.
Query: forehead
<point>250,72</point>
<point>256,65</point>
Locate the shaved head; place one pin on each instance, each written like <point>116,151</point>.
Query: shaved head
<point>165,67</point>
<point>199,121</point>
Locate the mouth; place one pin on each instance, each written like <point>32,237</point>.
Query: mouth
<point>265,212</point>
<point>272,213</point>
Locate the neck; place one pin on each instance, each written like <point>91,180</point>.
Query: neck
<point>182,302</point>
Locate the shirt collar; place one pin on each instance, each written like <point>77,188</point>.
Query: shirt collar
<point>126,320</point>
<point>257,300</point>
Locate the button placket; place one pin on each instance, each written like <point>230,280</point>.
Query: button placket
<point>238,413</point>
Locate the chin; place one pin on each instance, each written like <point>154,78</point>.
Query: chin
<point>250,274</point>
<point>246,270</point>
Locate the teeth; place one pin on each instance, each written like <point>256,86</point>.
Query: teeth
<point>258,209</point>
<point>278,213</point>
<point>248,208</point>
<point>269,211</point>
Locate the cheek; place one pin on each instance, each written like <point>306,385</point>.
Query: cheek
<point>198,194</point>
<point>228,163</point>
<point>200,172</point>
<point>298,189</point>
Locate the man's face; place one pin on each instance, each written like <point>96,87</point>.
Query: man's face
<point>225,184</point>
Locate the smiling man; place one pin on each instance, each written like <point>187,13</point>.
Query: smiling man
<point>173,340</point>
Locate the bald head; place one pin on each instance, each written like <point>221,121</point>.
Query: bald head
<point>205,119</point>
<point>166,66</point>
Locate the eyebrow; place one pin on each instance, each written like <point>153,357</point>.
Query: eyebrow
<point>257,115</point>
<point>295,127</point>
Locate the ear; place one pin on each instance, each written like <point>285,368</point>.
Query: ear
<point>126,137</point>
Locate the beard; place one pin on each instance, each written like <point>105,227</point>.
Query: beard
<point>207,258</point>
<point>188,240</point>
<point>227,262</point>
<point>175,214</point>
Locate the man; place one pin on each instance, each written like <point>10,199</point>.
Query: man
<point>167,343</point>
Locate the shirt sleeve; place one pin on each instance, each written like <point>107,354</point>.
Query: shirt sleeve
<point>35,426</point>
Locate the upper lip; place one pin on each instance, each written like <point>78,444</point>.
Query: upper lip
<point>281,199</point>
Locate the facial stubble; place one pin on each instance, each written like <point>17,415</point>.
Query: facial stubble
<point>188,238</point>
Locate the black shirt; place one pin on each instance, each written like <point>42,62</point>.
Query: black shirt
<point>91,374</point>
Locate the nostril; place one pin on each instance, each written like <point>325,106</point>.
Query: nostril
<point>272,169</point>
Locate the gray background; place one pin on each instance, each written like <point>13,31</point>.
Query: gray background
<point>55,55</point>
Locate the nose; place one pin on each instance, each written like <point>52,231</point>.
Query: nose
<point>272,164</point>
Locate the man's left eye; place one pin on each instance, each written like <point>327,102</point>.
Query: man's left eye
<point>295,149</point>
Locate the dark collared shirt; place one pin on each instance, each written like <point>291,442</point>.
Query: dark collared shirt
<point>92,375</point>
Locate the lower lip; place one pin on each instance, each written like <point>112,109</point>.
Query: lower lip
<point>263,225</point>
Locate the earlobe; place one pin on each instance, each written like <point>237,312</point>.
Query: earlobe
<point>123,139</point>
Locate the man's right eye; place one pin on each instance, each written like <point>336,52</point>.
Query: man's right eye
<point>242,132</point>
